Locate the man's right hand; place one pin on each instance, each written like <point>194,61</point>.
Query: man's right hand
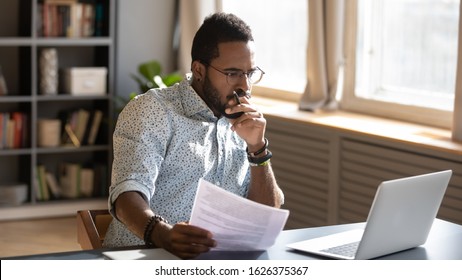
<point>183,240</point>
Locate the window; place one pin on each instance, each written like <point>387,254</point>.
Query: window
<point>405,59</point>
<point>280,33</point>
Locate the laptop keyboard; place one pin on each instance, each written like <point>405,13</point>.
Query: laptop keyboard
<point>348,250</point>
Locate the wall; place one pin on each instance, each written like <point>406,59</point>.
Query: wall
<point>144,32</point>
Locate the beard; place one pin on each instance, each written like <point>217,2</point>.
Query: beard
<point>212,99</point>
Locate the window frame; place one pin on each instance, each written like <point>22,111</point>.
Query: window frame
<point>351,102</point>
<point>261,90</point>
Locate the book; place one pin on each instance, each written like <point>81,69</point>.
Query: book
<point>52,12</point>
<point>25,131</point>
<point>66,18</point>
<point>75,125</point>
<point>36,186</point>
<point>76,19</point>
<point>82,117</point>
<point>45,194</point>
<point>19,130</point>
<point>99,20</point>
<point>88,20</point>
<point>86,182</point>
<point>69,179</point>
<point>71,135</point>
<point>44,20</point>
<point>10,131</point>
<point>53,185</point>
<point>94,127</point>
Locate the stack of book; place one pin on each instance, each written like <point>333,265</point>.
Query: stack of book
<point>69,18</point>
<point>13,130</point>
<point>81,126</point>
<point>74,181</point>
<point>45,185</point>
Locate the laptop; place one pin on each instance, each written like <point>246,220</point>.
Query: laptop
<point>400,218</point>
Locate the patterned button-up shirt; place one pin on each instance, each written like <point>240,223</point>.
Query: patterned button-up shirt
<point>164,141</point>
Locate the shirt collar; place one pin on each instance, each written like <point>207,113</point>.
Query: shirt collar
<point>191,101</point>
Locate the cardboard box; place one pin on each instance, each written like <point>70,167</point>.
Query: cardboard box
<point>85,80</point>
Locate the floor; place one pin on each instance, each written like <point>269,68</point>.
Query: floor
<point>28,237</point>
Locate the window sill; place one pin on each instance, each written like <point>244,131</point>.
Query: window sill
<point>397,131</point>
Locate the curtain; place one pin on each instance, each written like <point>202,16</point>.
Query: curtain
<point>324,55</point>
<point>191,16</point>
<point>457,113</point>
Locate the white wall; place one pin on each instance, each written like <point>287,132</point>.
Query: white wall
<point>144,32</point>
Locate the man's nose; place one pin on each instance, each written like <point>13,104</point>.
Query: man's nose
<point>244,83</point>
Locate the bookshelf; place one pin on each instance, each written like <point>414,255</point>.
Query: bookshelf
<point>22,39</point>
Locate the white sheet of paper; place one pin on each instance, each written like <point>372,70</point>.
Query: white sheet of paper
<point>141,254</point>
<point>237,224</point>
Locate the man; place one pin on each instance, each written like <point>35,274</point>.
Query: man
<point>166,139</point>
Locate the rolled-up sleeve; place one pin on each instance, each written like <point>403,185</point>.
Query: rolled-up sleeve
<point>139,145</point>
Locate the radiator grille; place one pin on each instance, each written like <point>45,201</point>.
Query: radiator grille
<point>328,177</point>
<point>363,166</point>
<point>301,167</point>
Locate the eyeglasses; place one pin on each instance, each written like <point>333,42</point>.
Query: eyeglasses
<point>233,77</point>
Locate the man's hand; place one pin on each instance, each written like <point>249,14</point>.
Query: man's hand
<point>251,125</point>
<point>183,240</point>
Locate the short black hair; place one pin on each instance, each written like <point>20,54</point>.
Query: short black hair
<point>218,28</point>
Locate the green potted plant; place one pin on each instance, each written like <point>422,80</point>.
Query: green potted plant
<point>149,76</point>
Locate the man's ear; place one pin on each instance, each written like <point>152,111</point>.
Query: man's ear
<point>198,70</point>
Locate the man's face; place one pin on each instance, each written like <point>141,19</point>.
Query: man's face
<point>234,56</point>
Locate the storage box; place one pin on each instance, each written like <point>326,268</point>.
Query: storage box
<point>85,80</point>
<point>13,194</point>
<point>48,132</point>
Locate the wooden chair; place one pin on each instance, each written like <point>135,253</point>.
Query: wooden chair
<point>91,228</point>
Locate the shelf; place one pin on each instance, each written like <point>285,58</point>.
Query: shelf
<point>14,99</point>
<point>21,46</point>
<point>16,41</point>
<point>68,97</point>
<point>93,41</point>
<point>61,208</point>
<point>72,149</point>
<point>15,152</point>
<point>56,150</point>
<point>20,41</point>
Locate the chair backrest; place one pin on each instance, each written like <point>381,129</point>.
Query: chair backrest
<point>91,228</point>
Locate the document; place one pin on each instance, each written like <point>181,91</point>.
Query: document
<point>141,254</point>
<point>237,224</point>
